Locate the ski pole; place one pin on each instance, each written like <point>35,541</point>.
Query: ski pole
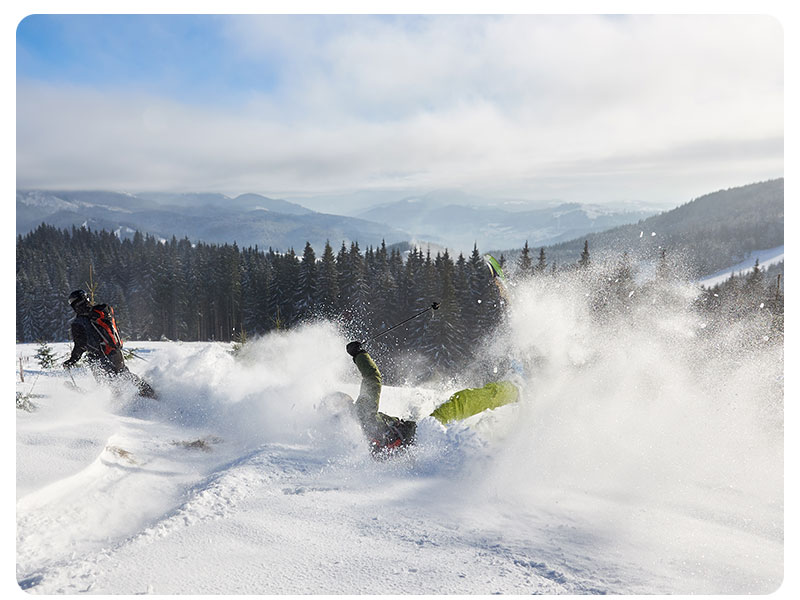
<point>433,306</point>
<point>33,385</point>
<point>134,355</point>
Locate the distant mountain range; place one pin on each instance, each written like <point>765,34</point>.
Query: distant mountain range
<point>252,219</point>
<point>248,219</point>
<point>706,235</point>
<point>460,226</point>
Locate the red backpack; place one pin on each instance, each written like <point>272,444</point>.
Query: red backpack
<point>101,316</point>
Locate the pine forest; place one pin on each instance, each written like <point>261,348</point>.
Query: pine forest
<point>180,290</point>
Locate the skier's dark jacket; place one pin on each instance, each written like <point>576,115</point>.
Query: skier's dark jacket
<point>86,339</point>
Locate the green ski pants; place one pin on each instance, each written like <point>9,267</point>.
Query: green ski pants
<point>471,401</point>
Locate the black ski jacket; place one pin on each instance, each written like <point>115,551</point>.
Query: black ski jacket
<point>86,339</point>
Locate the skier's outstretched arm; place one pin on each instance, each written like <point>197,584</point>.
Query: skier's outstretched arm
<point>79,344</point>
<point>370,393</point>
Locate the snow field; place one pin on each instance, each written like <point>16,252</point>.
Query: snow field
<point>642,458</point>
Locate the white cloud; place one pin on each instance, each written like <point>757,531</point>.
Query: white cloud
<point>514,104</point>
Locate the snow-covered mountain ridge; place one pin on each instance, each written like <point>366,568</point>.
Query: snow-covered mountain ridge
<point>252,219</point>
<point>248,219</point>
<point>705,235</point>
<point>460,226</point>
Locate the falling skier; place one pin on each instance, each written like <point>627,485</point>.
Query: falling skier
<point>388,434</point>
<point>94,331</point>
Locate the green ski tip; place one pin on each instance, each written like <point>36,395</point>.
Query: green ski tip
<point>494,267</point>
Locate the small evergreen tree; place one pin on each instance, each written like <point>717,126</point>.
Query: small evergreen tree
<point>584,260</point>
<point>756,277</point>
<point>541,263</point>
<point>45,356</point>
<point>239,341</point>
<point>524,262</point>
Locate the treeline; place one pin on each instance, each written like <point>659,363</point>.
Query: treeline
<point>756,295</point>
<point>179,290</point>
<point>615,285</point>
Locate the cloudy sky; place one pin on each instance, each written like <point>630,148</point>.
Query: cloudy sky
<point>578,107</point>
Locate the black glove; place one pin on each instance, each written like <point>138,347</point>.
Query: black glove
<point>354,348</point>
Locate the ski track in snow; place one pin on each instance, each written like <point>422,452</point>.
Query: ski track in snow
<point>288,484</point>
<point>168,499</point>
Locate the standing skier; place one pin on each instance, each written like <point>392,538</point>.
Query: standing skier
<point>388,434</point>
<point>94,331</point>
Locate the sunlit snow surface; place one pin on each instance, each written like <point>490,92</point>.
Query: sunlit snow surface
<point>643,458</point>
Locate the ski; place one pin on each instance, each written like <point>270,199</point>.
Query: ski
<point>494,267</point>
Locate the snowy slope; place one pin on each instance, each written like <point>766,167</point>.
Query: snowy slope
<point>771,256</point>
<point>626,468</point>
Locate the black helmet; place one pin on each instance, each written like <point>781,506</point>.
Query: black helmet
<point>77,297</point>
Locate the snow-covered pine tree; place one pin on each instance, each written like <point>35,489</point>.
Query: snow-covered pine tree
<point>25,301</point>
<point>256,274</point>
<point>541,263</point>
<point>359,298</point>
<point>585,259</point>
<point>383,294</point>
<point>140,287</point>
<point>481,304</point>
<point>446,336</point>
<point>461,287</point>
<point>419,331</point>
<point>281,290</point>
<point>328,283</point>
<point>306,287</point>
<point>524,262</point>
